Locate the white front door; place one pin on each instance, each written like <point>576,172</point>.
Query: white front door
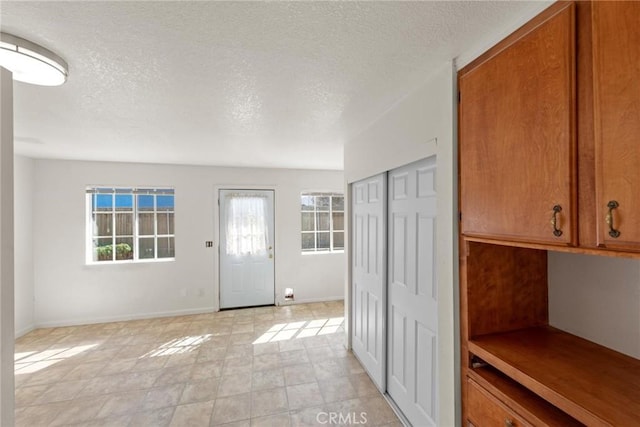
<point>412,296</point>
<point>369,275</point>
<point>246,248</point>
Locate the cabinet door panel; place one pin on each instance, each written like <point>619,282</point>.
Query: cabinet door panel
<point>517,136</point>
<point>616,49</point>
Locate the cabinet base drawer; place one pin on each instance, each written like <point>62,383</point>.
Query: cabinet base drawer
<point>485,410</point>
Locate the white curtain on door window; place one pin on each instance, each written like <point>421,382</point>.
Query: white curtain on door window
<point>247,231</point>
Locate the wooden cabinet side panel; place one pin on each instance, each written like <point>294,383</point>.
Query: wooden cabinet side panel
<point>506,288</point>
<point>616,55</point>
<point>517,137</point>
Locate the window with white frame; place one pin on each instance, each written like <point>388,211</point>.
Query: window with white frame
<point>322,222</point>
<point>130,224</point>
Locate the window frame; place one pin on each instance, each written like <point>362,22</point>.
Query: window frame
<point>316,231</point>
<point>134,192</point>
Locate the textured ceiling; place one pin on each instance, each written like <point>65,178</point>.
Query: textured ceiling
<point>273,84</point>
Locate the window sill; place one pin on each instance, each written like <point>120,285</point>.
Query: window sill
<point>130,262</point>
<point>322,253</point>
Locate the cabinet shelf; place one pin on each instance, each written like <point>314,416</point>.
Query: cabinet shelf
<point>593,384</point>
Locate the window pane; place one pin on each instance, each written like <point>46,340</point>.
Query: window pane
<point>163,223</point>
<point>338,220</point>
<point>337,203</point>
<point>145,224</point>
<point>323,221</point>
<point>124,202</point>
<point>322,203</point>
<point>103,249</point>
<point>307,221</point>
<point>307,203</point>
<point>103,202</point>
<point>323,241</point>
<point>102,223</point>
<point>338,240</point>
<point>165,203</point>
<point>124,248</point>
<point>145,248</point>
<point>145,202</point>
<point>124,224</point>
<point>308,241</point>
<point>166,247</point>
<point>171,219</point>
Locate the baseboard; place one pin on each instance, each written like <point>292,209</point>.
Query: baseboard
<point>24,331</point>
<point>123,318</point>
<point>311,300</point>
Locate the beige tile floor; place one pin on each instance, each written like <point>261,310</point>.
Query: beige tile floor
<point>266,366</point>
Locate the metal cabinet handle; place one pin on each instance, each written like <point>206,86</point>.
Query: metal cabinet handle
<point>509,423</point>
<point>609,219</point>
<point>554,221</point>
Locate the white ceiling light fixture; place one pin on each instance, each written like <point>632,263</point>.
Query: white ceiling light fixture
<point>31,63</point>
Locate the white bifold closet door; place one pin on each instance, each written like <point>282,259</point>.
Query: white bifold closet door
<point>394,299</point>
<point>368,273</point>
<point>412,307</point>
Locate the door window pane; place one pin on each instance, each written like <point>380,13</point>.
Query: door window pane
<point>338,240</point>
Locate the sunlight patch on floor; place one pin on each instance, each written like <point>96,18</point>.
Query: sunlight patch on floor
<point>287,331</point>
<point>178,346</point>
<point>33,361</point>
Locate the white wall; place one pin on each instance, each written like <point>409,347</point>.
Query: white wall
<point>7,320</point>
<point>23,235</point>
<point>597,298</point>
<point>70,292</point>
<point>421,125</point>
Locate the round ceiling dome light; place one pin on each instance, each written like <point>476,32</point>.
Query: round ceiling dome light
<point>31,63</point>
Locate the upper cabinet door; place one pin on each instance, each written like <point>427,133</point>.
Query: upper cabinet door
<point>517,135</point>
<point>616,56</point>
